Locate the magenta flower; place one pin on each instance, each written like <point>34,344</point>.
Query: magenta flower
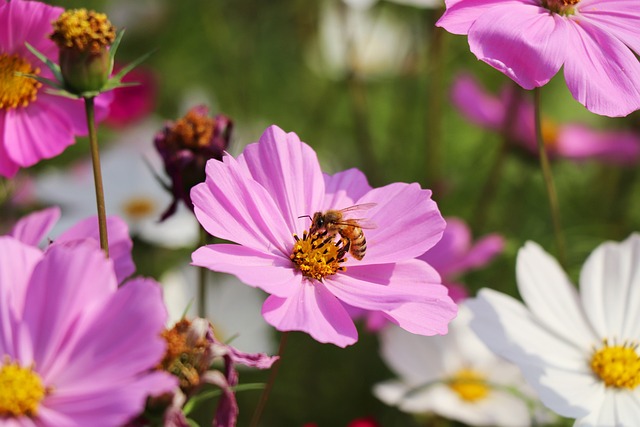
<point>76,349</point>
<point>260,201</point>
<point>571,141</point>
<point>452,256</point>
<point>529,40</point>
<point>133,103</point>
<point>34,124</point>
<point>34,228</point>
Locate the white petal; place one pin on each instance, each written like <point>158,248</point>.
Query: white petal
<point>610,288</point>
<point>551,297</point>
<point>390,392</point>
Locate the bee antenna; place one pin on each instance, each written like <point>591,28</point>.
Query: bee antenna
<point>306,216</point>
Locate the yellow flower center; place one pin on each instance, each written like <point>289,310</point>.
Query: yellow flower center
<point>83,30</point>
<point>318,255</point>
<point>561,7</point>
<point>617,366</point>
<point>21,390</point>
<point>470,385</point>
<point>138,207</point>
<point>550,134</point>
<point>16,91</point>
<point>194,130</point>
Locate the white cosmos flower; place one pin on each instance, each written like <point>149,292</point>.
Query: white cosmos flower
<point>232,307</point>
<point>131,190</point>
<point>452,375</point>
<point>577,349</point>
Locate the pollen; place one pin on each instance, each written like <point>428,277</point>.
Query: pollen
<point>21,390</point>
<point>561,7</point>
<point>617,366</point>
<point>83,31</point>
<point>137,208</point>
<point>318,255</point>
<point>184,358</point>
<point>15,90</point>
<point>194,130</point>
<point>470,385</point>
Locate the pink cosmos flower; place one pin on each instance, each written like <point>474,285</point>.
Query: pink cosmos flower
<point>529,40</point>
<point>453,255</point>
<point>35,227</point>
<point>75,349</point>
<point>572,141</point>
<point>260,201</point>
<point>34,124</point>
<point>133,103</point>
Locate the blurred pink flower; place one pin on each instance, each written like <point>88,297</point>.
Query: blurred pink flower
<point>32,229</point>
<point>529,40</point>
<point>34,124</point>
<point>453,255</point>
<point>133,103</point>
<point>572,141</point>
<point>260,201</point>
<point>76,350</point>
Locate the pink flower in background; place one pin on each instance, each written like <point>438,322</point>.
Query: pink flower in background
<point>34,124</point>
<point>260,201</point>
<point>133,103</point>
<point>76,349</point>
<point>453,255</point>
<point>34,228</point>
<point>529,40</point>
<point>572,141</point>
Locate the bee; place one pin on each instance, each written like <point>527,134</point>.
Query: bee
<point>350,229</point>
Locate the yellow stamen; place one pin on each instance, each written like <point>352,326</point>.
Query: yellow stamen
<point>561,7</point>
<point>470,385</point>
<point>16,91</point>
<point>193,130</point>
<point>185,358</point>
<point>84,31</point>
<point>138,207</point>
<point>617,366</point>
<point>21,390</point>
<point>317,255</point>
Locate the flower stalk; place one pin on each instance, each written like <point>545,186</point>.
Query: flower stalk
<point>97,174</point>
<point>548,180</point>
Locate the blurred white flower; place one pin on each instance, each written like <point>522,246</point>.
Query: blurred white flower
<point>234,309</point>
<point>453,375</point>
<point>579,350</point>
<point>353,38</point>
<point>131,190</point>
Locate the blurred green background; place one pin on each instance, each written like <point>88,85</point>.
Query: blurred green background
<point>253,60</point>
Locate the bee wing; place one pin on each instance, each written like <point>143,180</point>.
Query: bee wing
<point>363,207</point>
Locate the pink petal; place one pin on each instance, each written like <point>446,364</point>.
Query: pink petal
<point>120,244</point>
<point>33,228</point>
<point>343,188</point>
<point>461,14</point>
<point>289,170</point>
<point>314,310</point>
<point>233,206</point>
<point>27,21</point>
<point>476,104</point>
<point>63,276</point>
<point>523,41</point>
<point>408,224</point>
<point>8,168</point>
<point>617,147</point>
<point>601,72</point>
<point>273,274</point>
<point>620,18</point>
<point>74,110</point>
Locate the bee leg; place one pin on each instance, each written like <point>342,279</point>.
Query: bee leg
<point>346,245</point>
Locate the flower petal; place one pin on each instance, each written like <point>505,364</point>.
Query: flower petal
<point>343,188</point>
<point>233,206</point>
<point>617,147</point>
<point>610,289</point>
<point>408,224</point>
<point>290,172</point>
<point>476,104</point>
<point>524,42</point>
<point>461,14</point>
<point>273,274</point>
<point>314,310</point>
<point>620,18</point>
<point>33,228</point>
<point>8,168</point>
<point>551,297</point>
<point>601,72</point>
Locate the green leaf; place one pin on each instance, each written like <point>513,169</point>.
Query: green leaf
<point>55,68</point>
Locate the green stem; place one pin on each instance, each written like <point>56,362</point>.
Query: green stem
<point>548,180</point>
<point>202,279</point>
<point>97,174</point>
<point>272,379</point>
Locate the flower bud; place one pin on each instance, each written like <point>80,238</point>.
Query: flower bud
<point>83,38</point>
<point>185,146</point>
